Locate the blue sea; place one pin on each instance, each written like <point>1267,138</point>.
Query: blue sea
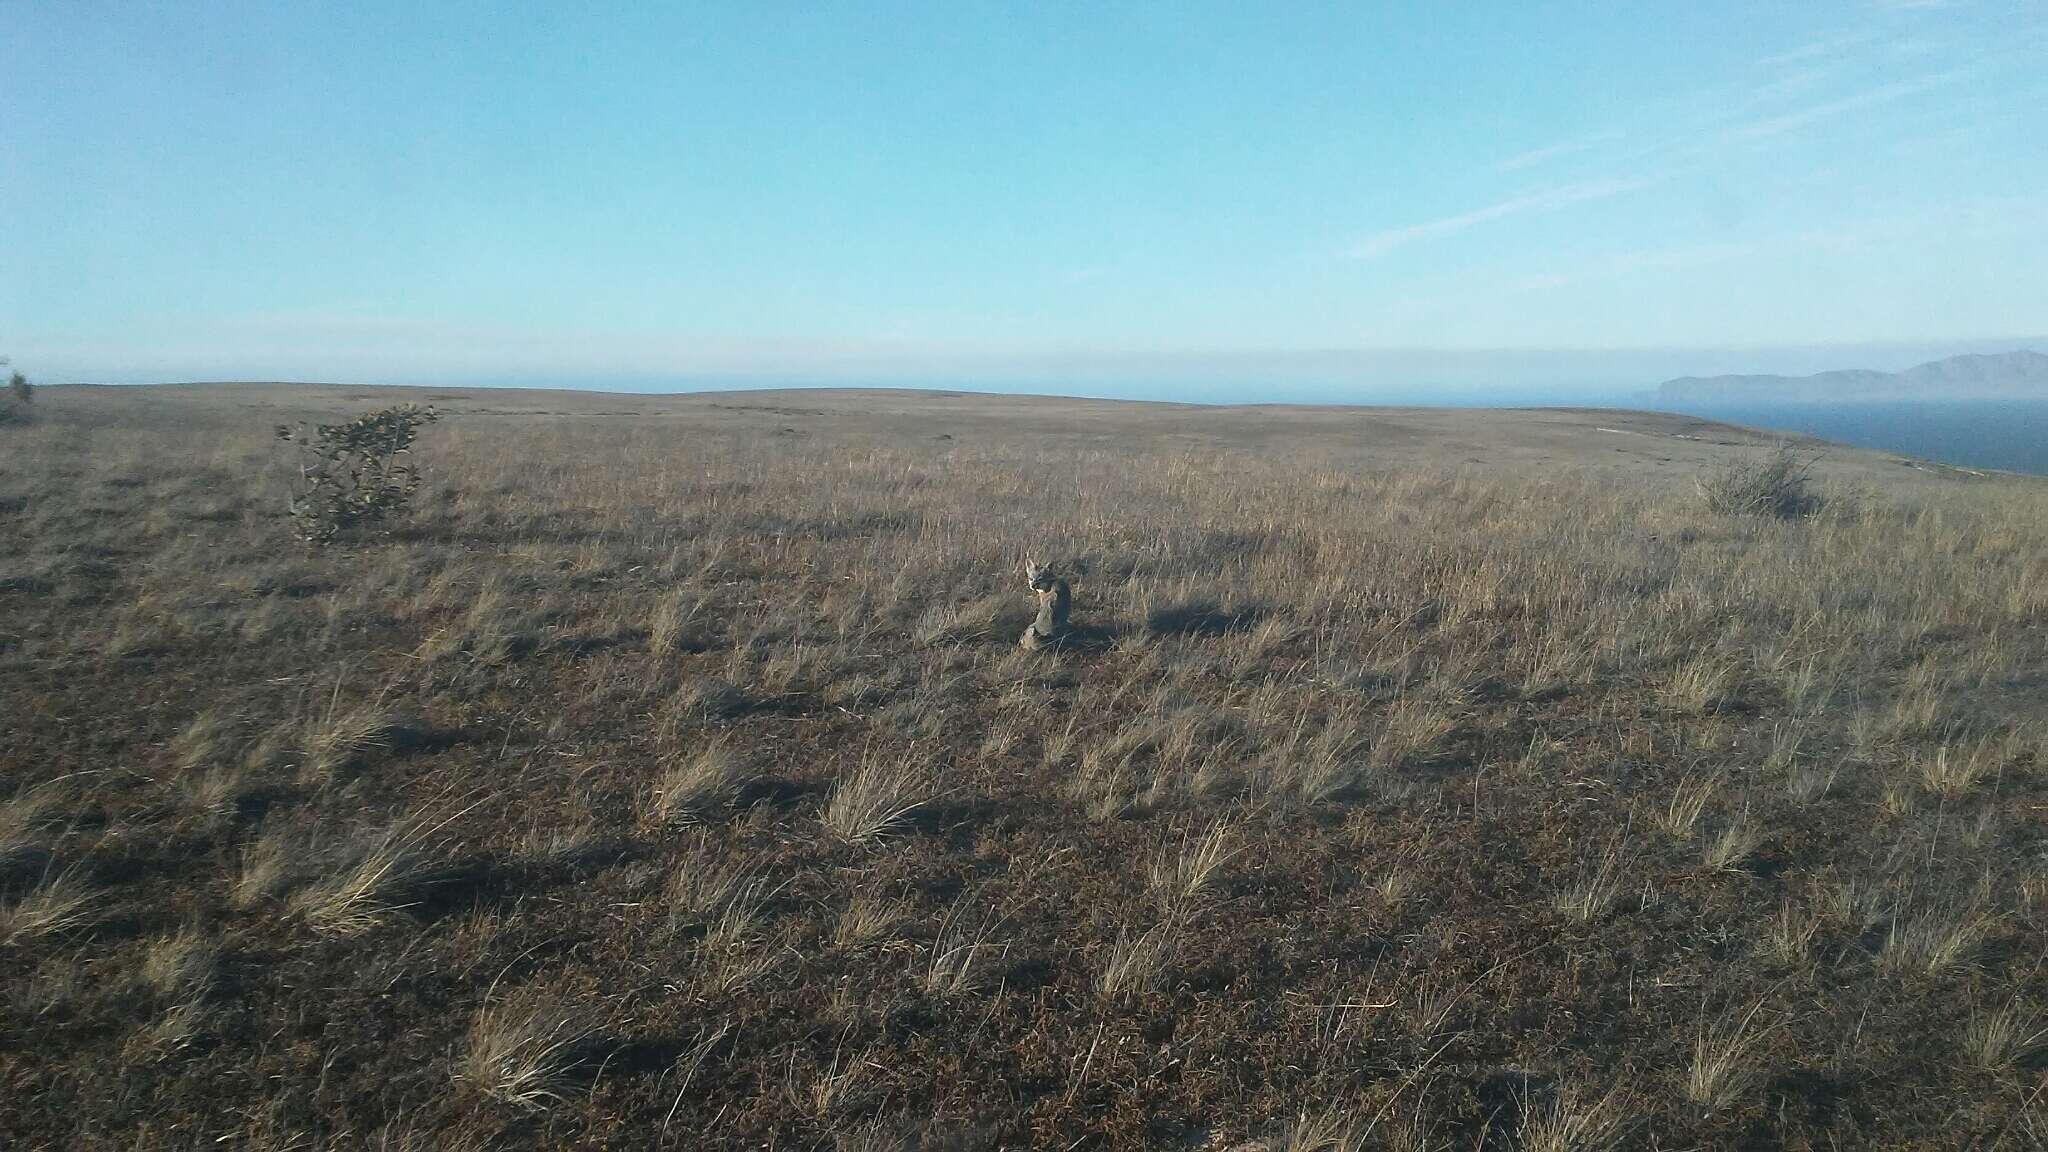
<point>2007,434</point>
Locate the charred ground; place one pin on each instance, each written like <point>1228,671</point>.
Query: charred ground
<point>672,775</point>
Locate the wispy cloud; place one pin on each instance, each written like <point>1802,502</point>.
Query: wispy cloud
<point>1860,75</point>
<point>1817,50</point>
<point>1549,200</point>
<point>1562,148</point>
<point>1857,101</point>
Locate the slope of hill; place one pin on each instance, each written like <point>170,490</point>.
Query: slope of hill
<point>2005,375</point>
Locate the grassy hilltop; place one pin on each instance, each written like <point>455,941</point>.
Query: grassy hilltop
<point>672,777</point>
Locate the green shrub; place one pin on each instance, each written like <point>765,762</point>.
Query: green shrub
<point>1774,484</point>
<point>353,474</point>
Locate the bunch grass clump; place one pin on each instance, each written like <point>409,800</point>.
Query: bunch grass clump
<point>60,903</point>
<point>875,800</point>
<point>527,1053</point>
<point>1776,485</point>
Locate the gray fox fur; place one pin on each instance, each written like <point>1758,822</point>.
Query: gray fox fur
<point>1054,601</point>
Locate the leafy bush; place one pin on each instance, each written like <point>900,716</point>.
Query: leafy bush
<point>355,473</point>
<point>1774,484</point>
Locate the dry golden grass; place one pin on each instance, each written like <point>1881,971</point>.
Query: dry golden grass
<point>694,784</point>
<point>1182,872</point>
<point>372,879</point>
<point>1591,896</point>
<point>964,950</point>
<point>2002,1037</point>
<point>874,800</point>
<point>1575,1118</point>
<point>180,963</point>
<point>527,1054</point>
<point>1940,937</point>
<point>1137,962</point>
<point>59,903</point>
<point>1725,1063</point>
<point>1413,780</point>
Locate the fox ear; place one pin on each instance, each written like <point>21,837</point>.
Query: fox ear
<point>1031,567</point>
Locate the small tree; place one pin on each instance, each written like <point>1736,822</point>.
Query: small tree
<point>14,406</point>
<point>355,473</point>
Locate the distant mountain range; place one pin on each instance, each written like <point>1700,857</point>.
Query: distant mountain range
<point>2007,375</point>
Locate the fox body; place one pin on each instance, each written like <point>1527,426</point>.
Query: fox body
<point>1054,601</point>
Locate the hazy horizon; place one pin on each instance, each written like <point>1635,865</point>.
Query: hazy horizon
<point>1397,376</point>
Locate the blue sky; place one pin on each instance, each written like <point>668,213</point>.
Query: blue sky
<point>1017,193</point>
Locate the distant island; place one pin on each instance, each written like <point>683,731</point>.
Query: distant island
<point>2009,375</point>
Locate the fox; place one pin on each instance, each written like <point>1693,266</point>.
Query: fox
<point>1055,598</point>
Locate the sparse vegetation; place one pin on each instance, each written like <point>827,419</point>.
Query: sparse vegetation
<point>1183,871</point>
<point>1137,962</point>
<point>964,951</point>
<point>1731,845</point>
<point>1378,796</point>
<point>1942,936</point>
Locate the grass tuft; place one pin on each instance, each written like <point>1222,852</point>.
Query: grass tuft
<point>1592,895</point>
<point>179,964</point>
<point>1573,1119</point>
<point>1724,1065</point>
<point>1731,845</point>
<point>380,876</point>
<point>343,738</point>
<point>1954,769</point>
<point>963,951</point>
<point>1180,874</point>
<point>1937,939</point>
<point>58,904</point>
<point>527,1054</point>
<point>694,785</point>
<point>1136,965</point>
<point>1688,800</point>
<point>874,800</point>
<point>2003,1037</point>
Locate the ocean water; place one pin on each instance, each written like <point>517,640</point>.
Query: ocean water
<point>2007,434</point>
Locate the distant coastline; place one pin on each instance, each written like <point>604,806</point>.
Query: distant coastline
<point>2021,375</point>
